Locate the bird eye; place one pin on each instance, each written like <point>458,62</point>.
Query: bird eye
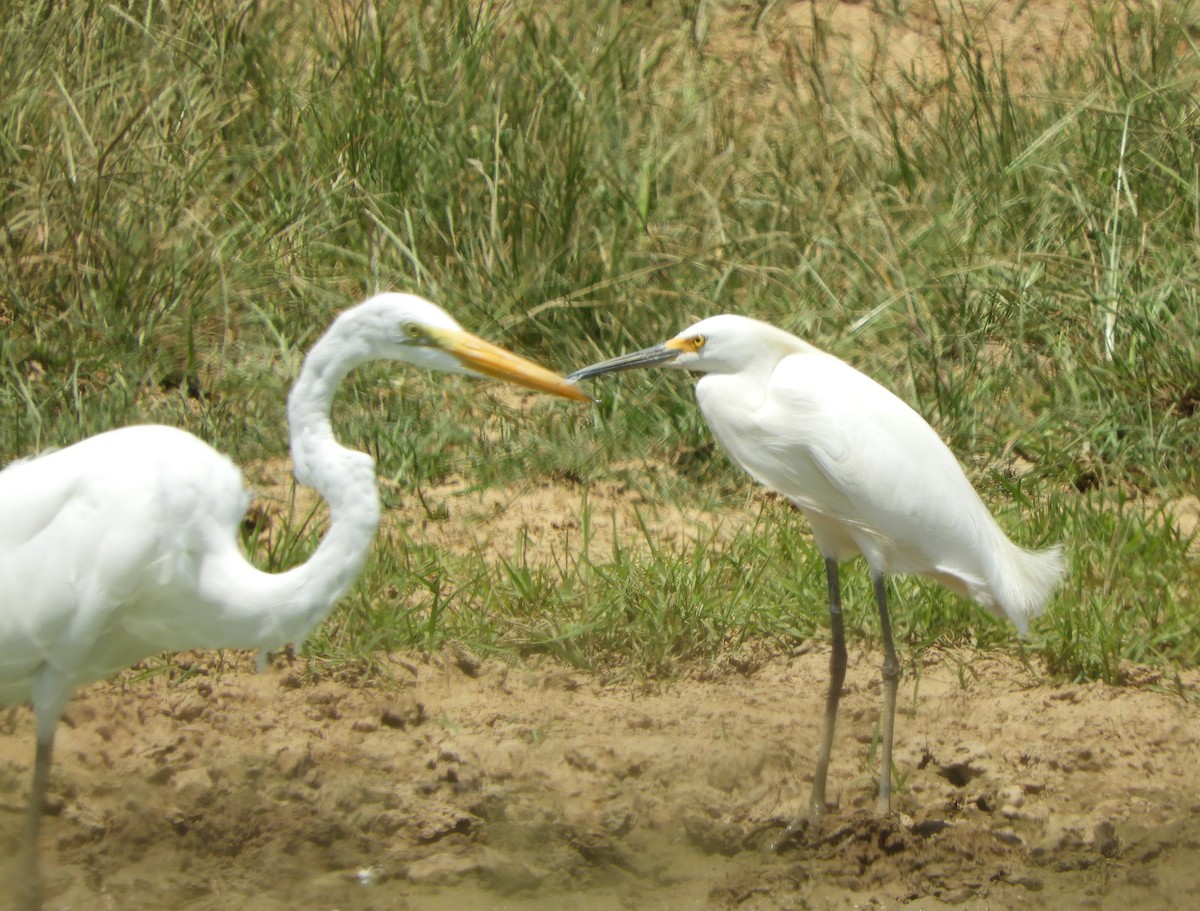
<point>413,331</point>
<point>698,342</point>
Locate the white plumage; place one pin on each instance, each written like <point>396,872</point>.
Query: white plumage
<point>126,544</point>
<point>870,475</point>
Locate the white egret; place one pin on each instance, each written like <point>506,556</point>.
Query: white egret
<point>126,544</point>
<point>869,474</point>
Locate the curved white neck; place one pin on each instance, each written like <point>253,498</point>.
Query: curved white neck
<point>344,477</point>
<point>248,608</point>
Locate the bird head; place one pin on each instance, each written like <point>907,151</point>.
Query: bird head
<point>406,327</point>
<point>719,344</point>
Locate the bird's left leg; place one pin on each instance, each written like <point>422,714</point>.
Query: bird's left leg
<point>30,891</point>
<point>891,680</point>
<point>49,699</point>
<point>837,677</point>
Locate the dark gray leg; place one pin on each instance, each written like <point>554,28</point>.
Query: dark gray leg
<point>837,676</point>
<point>29,894</point>
<point>891,680</point>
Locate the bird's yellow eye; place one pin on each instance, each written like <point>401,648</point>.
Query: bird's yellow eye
<point>413,331</point>
<point>698,342</point>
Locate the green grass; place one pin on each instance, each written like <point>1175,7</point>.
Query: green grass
<point>189,192</point>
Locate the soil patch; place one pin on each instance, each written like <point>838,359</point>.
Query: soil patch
<point>467,783</point>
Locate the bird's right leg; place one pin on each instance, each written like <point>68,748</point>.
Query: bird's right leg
<point>837,676</point>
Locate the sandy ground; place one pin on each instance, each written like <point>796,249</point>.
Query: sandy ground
<point>461,783</point>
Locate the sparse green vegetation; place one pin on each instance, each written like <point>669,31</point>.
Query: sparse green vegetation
<point>189,191</point>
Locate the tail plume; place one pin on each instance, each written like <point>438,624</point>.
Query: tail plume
<point>1028,580</point>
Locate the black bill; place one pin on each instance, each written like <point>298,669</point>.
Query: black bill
<point>647,357</point>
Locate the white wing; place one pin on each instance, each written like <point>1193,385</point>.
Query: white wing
<point>91,539</point>
<point>868,470</point>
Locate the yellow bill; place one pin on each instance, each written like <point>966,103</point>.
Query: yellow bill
<point>491,360</point>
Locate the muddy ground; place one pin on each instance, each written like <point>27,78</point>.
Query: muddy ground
<point>460,783</point>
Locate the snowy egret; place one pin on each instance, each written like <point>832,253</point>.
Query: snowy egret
<point>869,474</point>
<point>126,544</point>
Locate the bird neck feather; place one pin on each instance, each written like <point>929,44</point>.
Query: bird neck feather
<point>344,477</point>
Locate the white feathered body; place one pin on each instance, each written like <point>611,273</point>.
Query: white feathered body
<point>116,548</point>
<point>869,473</point>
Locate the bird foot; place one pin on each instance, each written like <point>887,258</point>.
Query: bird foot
<point>798,827</point>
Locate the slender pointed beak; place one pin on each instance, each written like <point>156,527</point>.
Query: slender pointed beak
<point>491,360</point>
<point>647,357</point>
